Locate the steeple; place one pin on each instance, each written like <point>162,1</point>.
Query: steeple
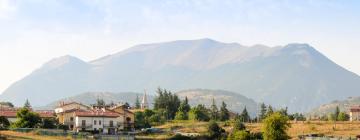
<point>144,102</point>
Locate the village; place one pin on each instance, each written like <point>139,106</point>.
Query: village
<point>108,119</point>
<point>116,119</point>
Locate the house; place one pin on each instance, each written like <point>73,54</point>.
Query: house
<point>127,115</point>
<point>354,113</point>
<point>69,106</point>
<point>65,113</point>
<point>10,114</point>
<point>97,120</point>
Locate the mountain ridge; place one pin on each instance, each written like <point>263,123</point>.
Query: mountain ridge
<point>295,75</point>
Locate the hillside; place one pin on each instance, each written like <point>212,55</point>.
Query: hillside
<point>294,75</point>
<point>235,102</point>
<point>344,105</point>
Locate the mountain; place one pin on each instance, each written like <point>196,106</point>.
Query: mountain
<point>294,75</point>
<point>234,102</point>
<point>344,105</point>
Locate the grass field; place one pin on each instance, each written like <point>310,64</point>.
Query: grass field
<point>340,129</point>
<point>11,135</point>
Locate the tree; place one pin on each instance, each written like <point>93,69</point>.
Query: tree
<point>336,113</point>
<point>8,104</point>
<point>199,113</point>
<point>48,123</point>
<point>244,116</point>
<point>239,125</point>
<point>186,105</point>
<point>181,116</point>
<point>331,117</point>
<point>284,111</point>
<point>182,113</point>
<point>127,105</point>
<point>27,104</point>
<point>215,130</point>
<point>100,102</point>
<point>140,121</point>
<point>26,119</point>
<point>224,112</point>
<point>275,126</point>
<point>167,101</point>
<point>262,111</point>
<point>240,135</point>
<point>137,102</point>
<point>343,117</point>
<point>213,110</point>
<point>4,123</point>
<point>269,111</point>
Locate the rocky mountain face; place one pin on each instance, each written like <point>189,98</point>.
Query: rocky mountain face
<point>294,75</point>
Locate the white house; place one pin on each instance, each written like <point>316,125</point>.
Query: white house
<point>62,107</point>
<point>100,120</point>
<point>355,113</point>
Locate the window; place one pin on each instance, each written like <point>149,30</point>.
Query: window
<point>111,123</point>
<point>83,122</point>
<point>71,119</point>
<point>99,122</point>
<point>94,122</point>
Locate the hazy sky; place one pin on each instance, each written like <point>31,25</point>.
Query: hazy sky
<point>34,31</point>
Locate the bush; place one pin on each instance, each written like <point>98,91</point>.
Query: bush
<point>240,135</point>
<point>4,123</point>
<point>180,137</point>
<point>26,119</point>
<point>181,116</point>
<point>275,127</point>
<point>238,125</point>
<point>215,131</point>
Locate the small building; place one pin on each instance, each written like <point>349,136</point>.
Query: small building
<point>354,113</point>
<point>10,115</point>
<point>127,115</point>
<point>69,106</point>
<point>100,120</point>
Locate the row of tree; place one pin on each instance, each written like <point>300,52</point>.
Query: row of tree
<point>168,106</point>
<point>274,128</point>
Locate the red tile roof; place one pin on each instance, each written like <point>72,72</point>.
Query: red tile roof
<point>355,109</point>
<point>96,113</point>
<point>8,113</point>
<point>45,113</point>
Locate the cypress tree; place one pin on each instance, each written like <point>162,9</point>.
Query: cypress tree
<point>213,110</point>
<point>262,111</point>
<point>137,102</point>
<point>224,112</point>
<point>27,104</point>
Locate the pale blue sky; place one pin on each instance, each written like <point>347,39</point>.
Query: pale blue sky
<point>35,31</point>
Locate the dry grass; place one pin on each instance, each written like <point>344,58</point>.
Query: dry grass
<point>11,135</point>
<point>185,126</point>
<point>340,129</point>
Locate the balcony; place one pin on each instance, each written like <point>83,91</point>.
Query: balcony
<point>109,126</point>
<point>87,126</point>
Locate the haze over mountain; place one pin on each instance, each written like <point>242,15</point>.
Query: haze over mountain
<point>294,75</point>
